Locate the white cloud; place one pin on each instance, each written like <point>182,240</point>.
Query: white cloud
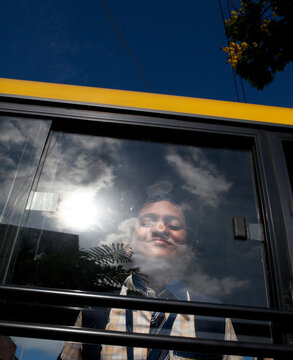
<point>94,143</point>
<point>10,132</point>
<point>15,184</point>
<point>214,286</point>
<point>21,143</point>
<point>201,177</point>
<point>86,167</point>
<point>124,234</point>
<point>75,170</point>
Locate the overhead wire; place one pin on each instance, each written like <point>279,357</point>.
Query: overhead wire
<point>233,71</point>
<point>125,45</point>
<point>242,88</point>
<point>139,69</point>
<point>240,78</point>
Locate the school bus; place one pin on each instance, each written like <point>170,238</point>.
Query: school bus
<point>101,189</point>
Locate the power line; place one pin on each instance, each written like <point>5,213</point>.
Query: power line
<point>228,6</point>
<point>124,43</point>
<point>233,71</point>
<point>241,80</point>
<point>242,88</point>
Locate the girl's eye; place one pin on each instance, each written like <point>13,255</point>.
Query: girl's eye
<point>147,223</point>
<point>174,227</point>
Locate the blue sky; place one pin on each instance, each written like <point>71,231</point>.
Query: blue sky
<point>177,45</point>
<point>36,349</point>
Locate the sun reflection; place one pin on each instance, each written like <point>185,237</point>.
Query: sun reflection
<point>79,211</point>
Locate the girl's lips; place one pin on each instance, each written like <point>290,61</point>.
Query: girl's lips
<point>159,240</point>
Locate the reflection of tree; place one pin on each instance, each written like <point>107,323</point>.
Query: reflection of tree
<point>98,269</point>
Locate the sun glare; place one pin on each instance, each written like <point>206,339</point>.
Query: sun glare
<point>78,211</point>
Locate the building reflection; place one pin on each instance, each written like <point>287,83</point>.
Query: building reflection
<point>32,245</point>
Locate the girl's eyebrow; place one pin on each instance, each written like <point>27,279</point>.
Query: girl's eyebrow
<point>173,217</point>
<point>154,216</point>
<point>148,215</point>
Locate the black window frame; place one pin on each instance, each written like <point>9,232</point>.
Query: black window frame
<point>269,165</point>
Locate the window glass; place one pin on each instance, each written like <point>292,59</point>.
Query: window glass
<point>288,147</point>
<point>104,210</point>
<point>30,349</point>
<point>21,145</point>
<point>285,179</point>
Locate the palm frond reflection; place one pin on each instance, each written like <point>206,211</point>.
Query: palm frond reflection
<point>101,268</point>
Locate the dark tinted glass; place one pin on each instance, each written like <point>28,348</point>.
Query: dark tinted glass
<point>21,145</point>
<point>87,225</point>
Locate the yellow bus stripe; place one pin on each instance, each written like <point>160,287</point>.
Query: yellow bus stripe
<point>156,102</point>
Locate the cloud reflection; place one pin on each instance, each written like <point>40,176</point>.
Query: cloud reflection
<point>217,287</point>
<point>84,165</point>
<point>21,143</point>
<point>201,177</point>
<point>12,132</point>
<point>124,233</point>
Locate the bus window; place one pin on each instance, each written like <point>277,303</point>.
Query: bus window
<point>21,146</point>
<point>288,149</point>
<point>104,210</point>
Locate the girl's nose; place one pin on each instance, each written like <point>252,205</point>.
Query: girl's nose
<point>161,227</point>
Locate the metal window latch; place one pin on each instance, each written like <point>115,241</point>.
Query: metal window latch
<point>255,232</point>
<point>244,231</point>
<point>239,228</point>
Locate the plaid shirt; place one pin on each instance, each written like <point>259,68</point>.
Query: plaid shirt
<point>183,325</point>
